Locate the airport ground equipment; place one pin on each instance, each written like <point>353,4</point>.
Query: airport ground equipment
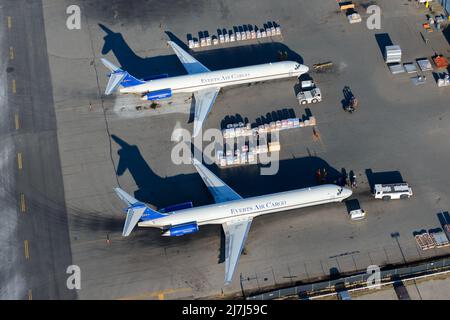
<point>424,241</point>
<point>393,54</point>
<point>240,140</point>
<point>351,106</point>
<point>447,231</point>
<point>354,18</point>
<point>346,5</point>
<point>440,61</point>
<point>410,67</point>
<point>397,68</point>
<point>321,67</point>
<point>443,80</point>
<point>440,239</point>
<point>357,214</point>
<point>350,101</point>
<point>424,65</point>
<point>432,240</point>
<point>392,191</point>
<point>309,93</point>
<point>418,80</point>
<point>236,130</point>
<point>239,33</point>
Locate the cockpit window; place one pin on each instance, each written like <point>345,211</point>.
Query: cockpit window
<point>297,66</point>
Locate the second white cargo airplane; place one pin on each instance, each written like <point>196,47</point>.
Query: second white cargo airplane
<point>204,83</point>
<point>234,213</point>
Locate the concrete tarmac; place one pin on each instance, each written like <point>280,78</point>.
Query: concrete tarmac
<point>399,132</point>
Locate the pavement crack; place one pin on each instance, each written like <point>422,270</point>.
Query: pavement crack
<point>102,101</point>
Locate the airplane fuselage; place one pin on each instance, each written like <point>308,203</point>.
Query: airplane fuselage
<point>221,78</point>
<point>220,213</point>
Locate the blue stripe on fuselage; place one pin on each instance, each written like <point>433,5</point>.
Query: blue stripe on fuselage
<point>150,214</point>
<point>130,81</point>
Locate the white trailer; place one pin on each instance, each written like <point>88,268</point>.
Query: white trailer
<point>392,191</point>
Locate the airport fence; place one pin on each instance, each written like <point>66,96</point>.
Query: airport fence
<point>355,280</point>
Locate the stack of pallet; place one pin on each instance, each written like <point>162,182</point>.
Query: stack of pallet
<point>245,32</point>
<point>424,241</point>
<point>235,130</point>
<point>432,240</point>
<point>240,130</point>
<point>245,154</point>
<point>440,239</point>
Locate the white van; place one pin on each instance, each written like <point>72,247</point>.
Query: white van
<point>392,191</point>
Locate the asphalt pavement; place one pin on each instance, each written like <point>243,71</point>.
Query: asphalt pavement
<point>36,251</point>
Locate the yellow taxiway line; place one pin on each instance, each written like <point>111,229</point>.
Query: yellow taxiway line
<point>19,161</point>
<point>159,294</point>
<point>23,207</point>
<point>16,121</point>
<point>26,249</point>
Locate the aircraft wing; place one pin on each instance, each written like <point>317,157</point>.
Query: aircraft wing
<point>189,62</point>
<point>235,235</point>
<point>204,100</point>
<point>219,190</point>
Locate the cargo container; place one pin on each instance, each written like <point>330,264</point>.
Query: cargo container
<point>393,54</point>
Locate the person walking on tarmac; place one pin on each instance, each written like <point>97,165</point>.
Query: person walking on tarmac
<point>324,175</point>
<point>352,178</point>
<point>318,176</point>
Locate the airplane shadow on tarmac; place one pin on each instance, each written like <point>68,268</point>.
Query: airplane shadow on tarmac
<point>214,59</point>
<point>246,180</point>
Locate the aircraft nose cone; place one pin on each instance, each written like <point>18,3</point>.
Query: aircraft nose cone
<point>305,69</point>
<point>347,192</point>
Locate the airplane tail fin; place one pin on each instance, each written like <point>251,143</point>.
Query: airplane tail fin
<point>118,77</point>
<point>136,211</point>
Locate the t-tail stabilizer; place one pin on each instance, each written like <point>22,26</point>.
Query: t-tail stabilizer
<point>118,77</point>
<point>136,211</point>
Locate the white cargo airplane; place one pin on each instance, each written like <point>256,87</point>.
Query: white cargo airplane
<point>231,210</point>
<point>204,83</point>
